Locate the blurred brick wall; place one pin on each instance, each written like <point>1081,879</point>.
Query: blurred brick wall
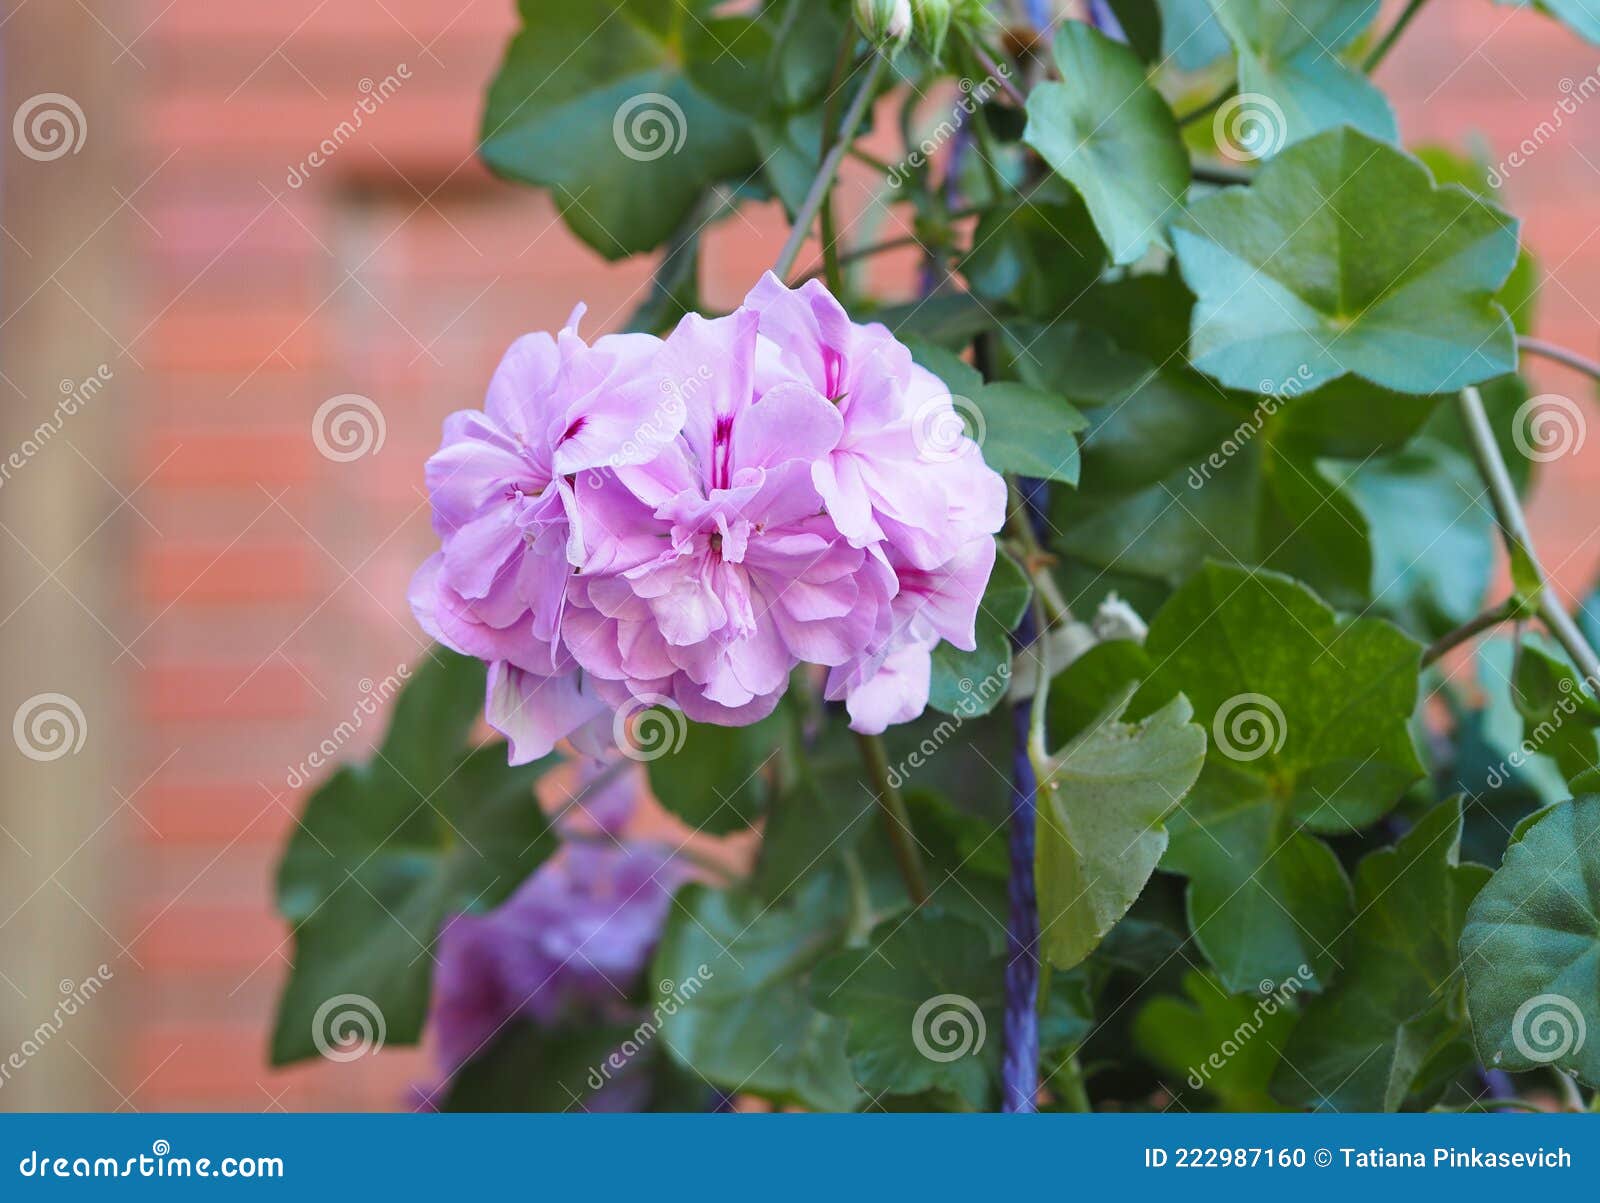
<point>266,582</point>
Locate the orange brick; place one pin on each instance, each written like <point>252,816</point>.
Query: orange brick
<point>211,693</point>
<point>192,575</point>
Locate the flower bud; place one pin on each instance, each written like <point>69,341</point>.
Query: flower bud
<point>930,20</point>
<point>887,23</point>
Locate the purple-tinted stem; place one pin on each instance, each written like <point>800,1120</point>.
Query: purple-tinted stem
<point>1103,19</point>
<point>1020,1069</point>
<point>1497,1084</point>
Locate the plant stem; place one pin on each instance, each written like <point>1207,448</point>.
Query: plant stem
<point>1222,176</point>
<point>1381,50</point>
<point>1209,107</point>
<point>1003,78</point>
<point>1036,560</point>
<point>1511,608</point>
<point>830,134</point>
<point>1020,1067</point>
<point>1074,1093</point>
<point>896,819</point>
<point>1514,530</point>
<point>1571,359</point>
<point>828,169</point>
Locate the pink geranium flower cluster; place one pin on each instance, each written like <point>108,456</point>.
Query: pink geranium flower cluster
<point>638,521</point>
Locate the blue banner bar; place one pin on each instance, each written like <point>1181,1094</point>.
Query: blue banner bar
<point>807,1157</point>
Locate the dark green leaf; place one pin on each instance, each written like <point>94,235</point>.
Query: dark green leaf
<point>1531,948</point>
<point>1225,1044</point>
<point>387,850</point>
<point>716,779</point>
<point>1397,1016</point>
<point>1307,714</point>
<point>752,1026</point>
<point>923,1001</point>
<point>609,119</point>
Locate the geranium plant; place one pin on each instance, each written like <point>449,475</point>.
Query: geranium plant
<point>1086,683</point>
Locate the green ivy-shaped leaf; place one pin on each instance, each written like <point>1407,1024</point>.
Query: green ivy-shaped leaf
<point>604,113</point>
<point>387,850</point>
<point>1112,136</point>
<point>1531,948</point>
<point>1396,1021</point>
<point>1102,807</point>
<point>924,1001</point>
<point>1225,1044</point>
<point>1308,716</point>
<point>1176,470</point>
<point>1289,54</point>
<point>751,1026</point>
<point>1343,257</point>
